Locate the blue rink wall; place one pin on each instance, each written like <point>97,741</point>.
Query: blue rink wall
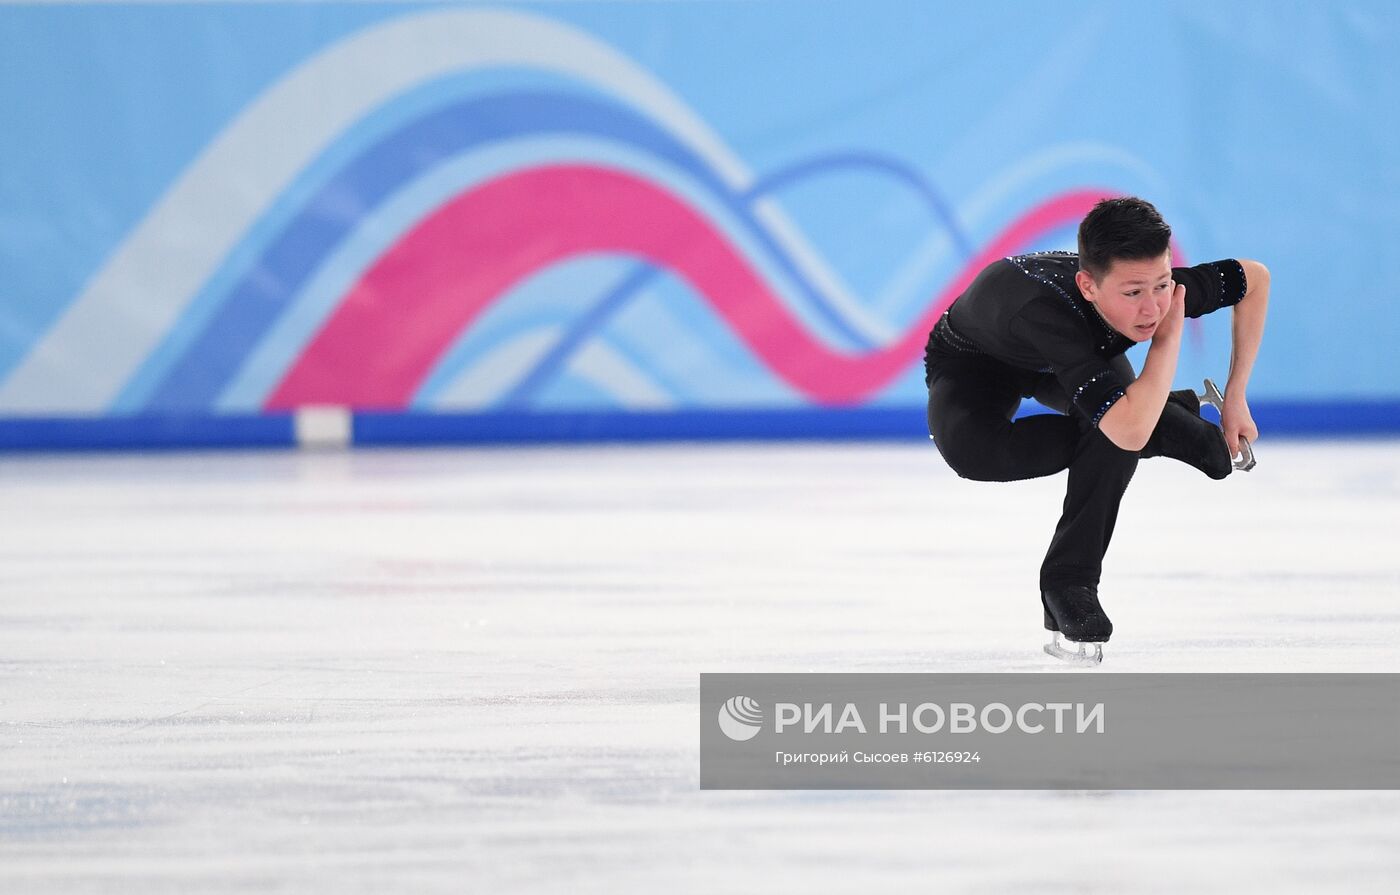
<point>575,221</point>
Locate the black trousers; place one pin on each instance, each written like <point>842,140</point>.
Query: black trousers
<point>971,403</point>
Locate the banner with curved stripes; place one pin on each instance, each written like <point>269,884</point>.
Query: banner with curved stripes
<point>552,210</point>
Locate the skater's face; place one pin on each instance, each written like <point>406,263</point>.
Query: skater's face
<point>1132,296</point>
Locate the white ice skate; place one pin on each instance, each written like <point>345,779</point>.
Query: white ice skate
<point>1080,657</point>
<point>1213,397</point>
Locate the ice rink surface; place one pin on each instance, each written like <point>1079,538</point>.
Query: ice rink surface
<point>477,670</point>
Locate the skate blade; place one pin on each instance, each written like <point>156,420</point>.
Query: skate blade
<point>1212,396</point>
<point>1079,657</point>
<point>1245,461</point>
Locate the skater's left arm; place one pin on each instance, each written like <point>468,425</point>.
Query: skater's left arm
<point>1247,330</point>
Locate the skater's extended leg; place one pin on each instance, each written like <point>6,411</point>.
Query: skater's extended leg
<point>1181,433</point>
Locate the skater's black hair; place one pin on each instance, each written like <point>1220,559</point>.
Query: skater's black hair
<point>1126,228</point>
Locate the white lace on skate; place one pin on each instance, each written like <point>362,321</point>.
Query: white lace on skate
<point>1081,657</point>
<point>1213,397</point>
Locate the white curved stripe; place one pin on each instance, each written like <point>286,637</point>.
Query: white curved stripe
<point>152,276</point>
<point>605,368</point>
<point>1015,179</point>
<point>820,274</point>
<point>486,381</point>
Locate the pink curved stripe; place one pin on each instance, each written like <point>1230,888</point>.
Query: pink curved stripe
<point>390,329</point>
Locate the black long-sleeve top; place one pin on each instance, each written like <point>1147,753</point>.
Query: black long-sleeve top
<point>1027,312</point>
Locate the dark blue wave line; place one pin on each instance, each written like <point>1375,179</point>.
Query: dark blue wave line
<point>890,167</point>
<point>578,333</point>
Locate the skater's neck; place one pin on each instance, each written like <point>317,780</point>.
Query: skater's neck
<point>1102,318</point>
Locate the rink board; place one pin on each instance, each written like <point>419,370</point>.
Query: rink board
<point>1275,418</point>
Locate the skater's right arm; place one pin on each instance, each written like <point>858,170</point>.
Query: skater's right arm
<point>1131,419</point>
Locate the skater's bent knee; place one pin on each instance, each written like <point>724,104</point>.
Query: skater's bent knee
<point>1109,451</point>
<point>971,465</point>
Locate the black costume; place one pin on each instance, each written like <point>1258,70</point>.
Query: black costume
<point>1023,329</point>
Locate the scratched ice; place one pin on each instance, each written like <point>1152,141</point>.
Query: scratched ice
<point>476,670</point>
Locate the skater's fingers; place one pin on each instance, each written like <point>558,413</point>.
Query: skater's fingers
<point>1236,435</point>
<point>1230,428</point>
<point>1237,423</point>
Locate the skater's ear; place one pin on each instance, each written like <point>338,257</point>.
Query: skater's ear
<point>1088,286</point>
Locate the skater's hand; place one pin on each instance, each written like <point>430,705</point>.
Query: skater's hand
<point>1236,421</point>
<point>1170,327</point>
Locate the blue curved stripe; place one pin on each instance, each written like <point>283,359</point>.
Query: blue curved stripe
<point>553,363</point>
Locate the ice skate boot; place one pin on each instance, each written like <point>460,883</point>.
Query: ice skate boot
<point>1074,611</point>
<point>1184,435</point>
<point>1213,397</point>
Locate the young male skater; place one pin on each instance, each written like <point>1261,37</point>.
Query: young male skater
<point>1054,326</point>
